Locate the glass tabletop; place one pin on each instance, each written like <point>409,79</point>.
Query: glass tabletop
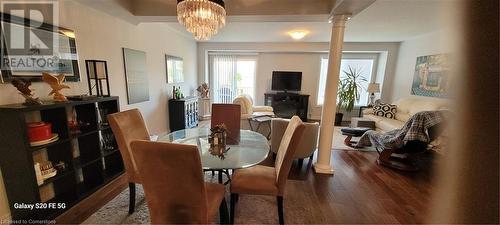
<point>252,149</point>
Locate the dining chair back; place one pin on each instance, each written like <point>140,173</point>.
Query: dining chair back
<point>128,126</point>
<point>230,115</point>
<point>173,182</point>
<point>264,180</point>
<point>288,147</point>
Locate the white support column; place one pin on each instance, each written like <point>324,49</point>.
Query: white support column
<point>322,164</point>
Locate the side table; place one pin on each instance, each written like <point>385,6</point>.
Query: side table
<point>362,122</point>
<point>261,120</point>
<point>361,109</point>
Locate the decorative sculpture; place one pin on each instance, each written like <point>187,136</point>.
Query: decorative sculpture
<point>56,84</point>
<point>217,140</point>
<point>23,86</point>
<point>203,89</point>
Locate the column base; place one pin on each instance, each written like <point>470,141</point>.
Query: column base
<point>324,169</point>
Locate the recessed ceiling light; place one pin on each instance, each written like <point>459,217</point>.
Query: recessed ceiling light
<point>298,34</point>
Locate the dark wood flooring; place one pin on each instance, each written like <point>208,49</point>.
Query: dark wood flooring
<point>361,191</point>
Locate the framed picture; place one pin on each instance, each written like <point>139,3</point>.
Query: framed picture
<point>48,49</point>
<point>136,75</point>
<point>431,77</point>
<point>175,69</point>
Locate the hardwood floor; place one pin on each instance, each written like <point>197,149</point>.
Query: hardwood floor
<point>361,191</point>
<point>81,211</point>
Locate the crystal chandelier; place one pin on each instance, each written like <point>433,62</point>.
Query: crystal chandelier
<point>203,18</point>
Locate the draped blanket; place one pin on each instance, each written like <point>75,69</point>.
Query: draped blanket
<point>415,129</point>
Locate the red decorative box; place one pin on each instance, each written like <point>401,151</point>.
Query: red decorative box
<point>39,131</point>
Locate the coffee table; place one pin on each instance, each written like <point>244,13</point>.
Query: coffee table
<point>353,132</point>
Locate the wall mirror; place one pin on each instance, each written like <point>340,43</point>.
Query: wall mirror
<point>175,70</point>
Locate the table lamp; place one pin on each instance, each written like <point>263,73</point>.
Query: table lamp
<point>372,89</point>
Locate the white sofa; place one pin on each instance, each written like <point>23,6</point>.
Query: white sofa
<point>248,110</point>
<point>406,107</point>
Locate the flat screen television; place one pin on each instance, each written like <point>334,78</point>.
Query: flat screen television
<point>286,81</point>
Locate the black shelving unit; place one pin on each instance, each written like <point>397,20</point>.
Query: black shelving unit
<point>90,162</point>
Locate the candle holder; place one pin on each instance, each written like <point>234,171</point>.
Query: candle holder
<point>217,140</point>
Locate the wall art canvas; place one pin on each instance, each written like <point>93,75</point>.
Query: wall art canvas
<point>431,76</point>
<point>45,49</point>
<point>136,75</point>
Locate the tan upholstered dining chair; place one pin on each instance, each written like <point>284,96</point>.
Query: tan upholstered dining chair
<point>264,180</point>
<point>173,184</point>
<point>128,126</point>
<point>307,144</point>
<point>230,115</point>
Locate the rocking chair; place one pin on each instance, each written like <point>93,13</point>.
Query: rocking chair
<point>405,158</point>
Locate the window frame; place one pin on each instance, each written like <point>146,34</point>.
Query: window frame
<point>352,56</point>
<point>254,58</point>
<point>243,56</point>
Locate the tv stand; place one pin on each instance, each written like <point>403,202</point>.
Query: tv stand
<point>286,104</point>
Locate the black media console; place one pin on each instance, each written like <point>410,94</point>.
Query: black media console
<point>286,105</point>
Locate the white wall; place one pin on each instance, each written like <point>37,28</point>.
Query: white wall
<point>428,44</point>
<point>100,36</point>
<point>307,63</point>
<point>297,56</point>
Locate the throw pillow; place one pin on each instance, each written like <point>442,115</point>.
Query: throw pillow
<point>385,110</point>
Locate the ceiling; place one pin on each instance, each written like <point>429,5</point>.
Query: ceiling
<point>239,7</point>
<point>270,20</point>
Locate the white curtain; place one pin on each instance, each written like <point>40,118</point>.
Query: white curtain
<point>223,77</point>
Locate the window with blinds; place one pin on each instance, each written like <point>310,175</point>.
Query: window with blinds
<point>232,75</point>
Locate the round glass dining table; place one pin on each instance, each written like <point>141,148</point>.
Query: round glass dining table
<point>252,149</point>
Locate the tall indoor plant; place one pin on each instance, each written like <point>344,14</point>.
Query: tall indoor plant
<point>350,86</point>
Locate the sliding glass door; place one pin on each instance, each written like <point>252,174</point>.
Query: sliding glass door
<point>232,75</point>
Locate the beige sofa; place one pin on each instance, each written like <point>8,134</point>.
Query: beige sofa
<point>406,107</point>
<point>248,110</point>
<point>308,142</point>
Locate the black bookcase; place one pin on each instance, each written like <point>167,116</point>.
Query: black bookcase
<point>286,105</point>
<point>183,113</point>
<point>91,156</point>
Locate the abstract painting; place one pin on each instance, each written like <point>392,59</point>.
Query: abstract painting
<point>431,76</point>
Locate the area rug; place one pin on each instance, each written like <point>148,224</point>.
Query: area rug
<point>250,209</point>
<point>338,142</point>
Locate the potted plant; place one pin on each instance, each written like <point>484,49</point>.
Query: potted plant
<point>348,92</point>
